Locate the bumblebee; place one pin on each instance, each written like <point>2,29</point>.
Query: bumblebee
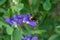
<point>33,18</point>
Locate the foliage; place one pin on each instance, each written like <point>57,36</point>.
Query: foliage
<point>45,12</point>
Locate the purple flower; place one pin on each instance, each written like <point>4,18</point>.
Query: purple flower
<point>20,16</point>
<point>32,23</point>
<point>27,20</point>
<point>7,20</point>
<point>34,38</point>
<point>28,15</point>
<point>10,21</point>
<point>20,19</point>
<point>29,37</point>
<point>14,17</point>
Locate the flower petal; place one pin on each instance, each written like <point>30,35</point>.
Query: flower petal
<point>14,17</point>
<point>12,22</point>
<point>25,19</point>
<point>23,39</point>
<point>32,23</point>
<point>28,36</point>
<point>28,15</point>
<point>20,16</point>
<point>7,19</point>
<point>20,21</point>
<point>34,38</point>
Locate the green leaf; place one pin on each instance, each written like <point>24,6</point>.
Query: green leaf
<point>26,3</point>
<point>18,7</point>
<point>57,18</point>
<point>45,34</point>
<point>35,6</point>
<point>34,2</point>
<point>9,13</point>
<point>54,37</point>
<point>21,5</point>
<point>9,30</point>
<point>57,29</point>
<point>2,10</point>
<point>26,6</point>
<point>3,23</point>
<point>37,31</point>
<point>0,26</point>
<point>17,33</point>
<point>0,38</point>
<point>27,27</point>
<point>47,6</point>
<point>7,37</point>
<point>2,2</point>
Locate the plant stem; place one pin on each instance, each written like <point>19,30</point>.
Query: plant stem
<point>12,37</point>
<point>31,11</point>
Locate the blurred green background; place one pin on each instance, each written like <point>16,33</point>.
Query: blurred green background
<point>45,12</point>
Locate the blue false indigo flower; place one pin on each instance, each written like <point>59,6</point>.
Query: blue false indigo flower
<point>20,16</point>
<point>14,17</point>
<point>8,20</point>
<point>34,38</point>
<point>20,19</point>
<point>17,19</point>
<point>32,23</point>
<point>29,37</point>
<point>27,20</point>
<point>28,15</point>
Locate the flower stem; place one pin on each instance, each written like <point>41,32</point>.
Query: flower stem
<point>12,37</point>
